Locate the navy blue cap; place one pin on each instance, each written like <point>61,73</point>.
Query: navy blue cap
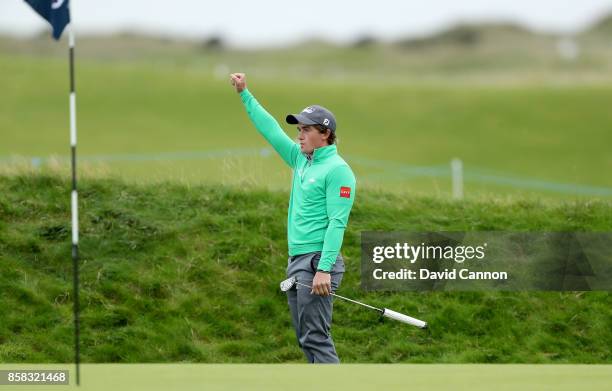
<point>314,115</point>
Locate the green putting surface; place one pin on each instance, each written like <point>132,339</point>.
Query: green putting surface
<point>294,377</point>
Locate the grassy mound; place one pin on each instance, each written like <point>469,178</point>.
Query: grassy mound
<point>190,273</point>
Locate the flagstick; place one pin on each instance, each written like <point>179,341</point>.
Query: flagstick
<point>74,209</point>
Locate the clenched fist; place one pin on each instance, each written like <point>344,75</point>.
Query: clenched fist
<point>321,284</point>
<point>238,81</point>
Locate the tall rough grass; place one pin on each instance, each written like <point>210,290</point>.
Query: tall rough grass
<point>174,272</point>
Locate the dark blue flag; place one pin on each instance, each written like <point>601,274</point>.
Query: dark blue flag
<point>55,11</point>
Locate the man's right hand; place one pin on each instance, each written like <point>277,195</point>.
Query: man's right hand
<point>238,81</point>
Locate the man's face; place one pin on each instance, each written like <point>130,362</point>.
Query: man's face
<point>310,138</point>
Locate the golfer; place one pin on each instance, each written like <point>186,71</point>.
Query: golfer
<point>322,194</point>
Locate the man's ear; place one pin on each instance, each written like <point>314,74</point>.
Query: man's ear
<point>327,134</point>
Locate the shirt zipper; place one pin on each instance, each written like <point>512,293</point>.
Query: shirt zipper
<point>309,159</point>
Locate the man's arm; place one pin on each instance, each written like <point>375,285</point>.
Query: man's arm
<point>340,195</point>
<point>265,123</point>
<point>339,198</point>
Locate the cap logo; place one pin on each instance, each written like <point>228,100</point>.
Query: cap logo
<point>325,122</point>
<point>308,110</point>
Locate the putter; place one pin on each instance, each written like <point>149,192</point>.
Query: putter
<point>292,281</point>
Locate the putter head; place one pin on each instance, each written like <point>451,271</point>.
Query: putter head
<point>288,283</point>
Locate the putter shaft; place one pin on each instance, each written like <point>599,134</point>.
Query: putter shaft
<point>346,298</point>
<point>384,312</point>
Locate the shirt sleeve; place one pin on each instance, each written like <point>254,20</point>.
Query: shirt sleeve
<point>340,194</point>
<point>270,129</point>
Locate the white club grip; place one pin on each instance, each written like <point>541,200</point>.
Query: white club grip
<point>404,318</point>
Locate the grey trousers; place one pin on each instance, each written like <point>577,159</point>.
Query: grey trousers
<point>312,314</point>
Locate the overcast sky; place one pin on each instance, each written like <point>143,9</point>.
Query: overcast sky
<point>276,22</point>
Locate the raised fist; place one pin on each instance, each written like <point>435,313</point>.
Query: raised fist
<point>238,81</point>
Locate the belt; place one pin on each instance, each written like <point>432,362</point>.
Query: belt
<point>294,257</point>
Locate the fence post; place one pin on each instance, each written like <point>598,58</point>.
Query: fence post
<point>457,174</point>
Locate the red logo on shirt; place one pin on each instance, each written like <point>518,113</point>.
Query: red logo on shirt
<point>345,192</point>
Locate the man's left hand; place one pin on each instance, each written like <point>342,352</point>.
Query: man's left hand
<point>321,284</point>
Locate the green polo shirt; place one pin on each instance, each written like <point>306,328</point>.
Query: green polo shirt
<point>322,189</point>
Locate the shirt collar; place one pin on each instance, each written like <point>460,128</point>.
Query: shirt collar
<point>323,153</point>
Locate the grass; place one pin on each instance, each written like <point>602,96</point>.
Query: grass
<point>189,273</point>
<point>552,133</point>
<point>354,377</point>
<point>182,252</point>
